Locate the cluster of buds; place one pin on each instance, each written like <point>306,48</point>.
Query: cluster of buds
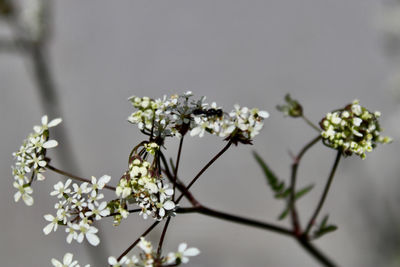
<point>143,185</point>
<point>77,208</point>
<point>178,114</point>
<point>31,159</point>
<point>149,258</point>
<point>352,129</point>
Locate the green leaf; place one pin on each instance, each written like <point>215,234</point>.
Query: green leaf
<point>324,228</point>
<point>303,191</point>
<point>276,185</point>
<point>284,214</point>
<point>284,194</point>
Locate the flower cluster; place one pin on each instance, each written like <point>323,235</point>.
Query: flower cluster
<point>67,261</point>
<point>178,114</point>
<point>31,159</point>
<point>77,208</point>
<point>142,185</point>
<point>148,257</point>
<point>352,129</point>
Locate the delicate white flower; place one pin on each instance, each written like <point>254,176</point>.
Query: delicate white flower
<point>145,245</point>
<point>45,125</point>
<point>80,189</point>
<point>24,191</point>
<point>36,161</point>
<point>94,197</point>
<point>103,180</point>
<point>164,191</point>
<point>67,261</point>
<point>99,211</point>
<point>52,225</point>
<point>79,203</point>
<point>72,232</point>
<point>163,206</point>
<point>183,253</point>
<point>87,231</point>
<point>60,189</point>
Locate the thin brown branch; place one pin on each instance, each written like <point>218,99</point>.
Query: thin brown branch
<point>324,194</point>
<point>74,176</point>
<point>205,168</point>
<point>137,240</point>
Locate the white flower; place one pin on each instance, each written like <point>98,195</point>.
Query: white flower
<point>87,231</point>
<point>45,125</point>
<point>99,211</point>
<point>103,180</point>
<point>72,233</point>
<point>94,196</point>
<point>52,225</point>
<point>23,191</point>
<point>162,206</point>
<point>80,189</point>
<point>36,161</point>
<point>183,253</point>
<point>164,191</point>
<point>60,189</point>
<point>79,203</point>
<point>145,245</point>
<point>67,261</point>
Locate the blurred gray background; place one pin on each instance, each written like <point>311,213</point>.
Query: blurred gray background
<point>325,53</point>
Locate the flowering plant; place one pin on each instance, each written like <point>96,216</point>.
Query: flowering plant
<point>150,186</point>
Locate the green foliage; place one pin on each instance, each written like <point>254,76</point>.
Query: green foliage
<point>324,228</point>
<point>292,107</point>
<point>278,187</point>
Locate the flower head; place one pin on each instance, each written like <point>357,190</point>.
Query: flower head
<point>31,159</point>
<point>352,129</point>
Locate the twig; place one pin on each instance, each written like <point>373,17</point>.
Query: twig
<point>292,200</point>
<point>205,168</point>
<point>137,240</point>
<point>237,219</point>
<point>74,176</point>
<point>162,237</point>
<point>324,194</point>
<point>178,157</point>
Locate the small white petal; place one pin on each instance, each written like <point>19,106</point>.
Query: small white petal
<point>93,239</point>
<point>191,252</point>
<point>182,247</point>
<point>50,144</point>
<point>169,205</point>
<point>67,258</point>
<point>48,229</point>
<point>55,122</point>
<point>27,199</point>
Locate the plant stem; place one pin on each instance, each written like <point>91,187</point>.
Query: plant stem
<point>324,194</point>
<point>292,200</point>
<point>162,237</point>
<point>237,219</point>
<point>205,168</point>
<point>179,184</point>
<point>74,176</point>
<point>310,123</point>
<point>316,253</point>
<point>178,157</point>
<point>137,240</point>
